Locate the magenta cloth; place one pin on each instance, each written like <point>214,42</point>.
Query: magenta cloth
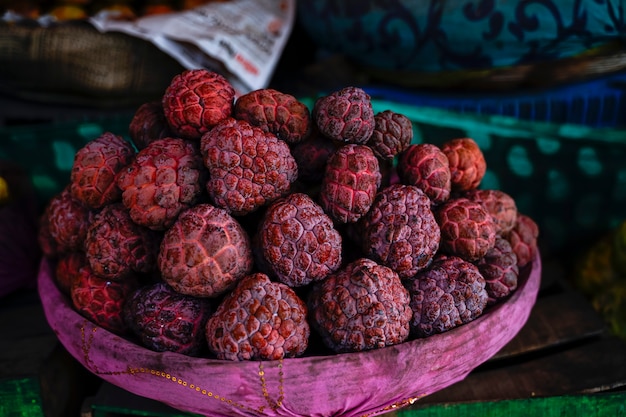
<point>353,384</point>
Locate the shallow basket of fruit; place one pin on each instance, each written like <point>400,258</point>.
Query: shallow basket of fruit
<point>253,256</point>
<point>350,384</point>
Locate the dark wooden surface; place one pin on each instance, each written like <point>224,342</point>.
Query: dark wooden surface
<point>38,377</point>
<point>26,339</point>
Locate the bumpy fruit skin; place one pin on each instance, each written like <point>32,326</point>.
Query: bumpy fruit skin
<point>276,112</point>
<point>350,183</point>
<point>195,101</point>
<point>260,263</point>
<point>362,306</point>
<point>427,167</point>
<point>101,300</point>
<point>393,133</point>
<point>311,156</point>
<point>67,270</point>
<point>259,320</point>
<point>523,239</point>
<point>205,252</point>
<point>49,247</point>
<point>467,163</point>
<point>248,168</point>
<point>345,115</point>
<point>96,164</point>
<point>400,230</point>
<point>299,241</point>
<point>500,270</point>
<point>116,247</point>
<point>165,320</point>
<point>148,124</point>
<point>165,177</point>
<point>449,293</point>
<point>388,172</point>
<point>500,205</point>
<point>467,230</point>
<point>67,220</point>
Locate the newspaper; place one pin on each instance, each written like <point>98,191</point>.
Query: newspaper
<point>241,39</point>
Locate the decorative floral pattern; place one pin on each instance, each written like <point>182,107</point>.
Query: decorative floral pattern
<point>434,35</point>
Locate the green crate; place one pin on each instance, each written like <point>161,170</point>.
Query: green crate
<point>580,405</point>
<point>571,179</point>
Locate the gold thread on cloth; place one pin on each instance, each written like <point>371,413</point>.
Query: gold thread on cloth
<point>273,404</point>
<point>396,405</point>
<point>86,343</point>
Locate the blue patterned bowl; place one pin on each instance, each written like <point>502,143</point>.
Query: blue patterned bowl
<point>450,35</point>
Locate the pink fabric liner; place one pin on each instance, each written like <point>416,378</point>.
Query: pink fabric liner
<point>353,384</point>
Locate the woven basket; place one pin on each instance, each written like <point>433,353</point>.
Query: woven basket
<point>73,63</point>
